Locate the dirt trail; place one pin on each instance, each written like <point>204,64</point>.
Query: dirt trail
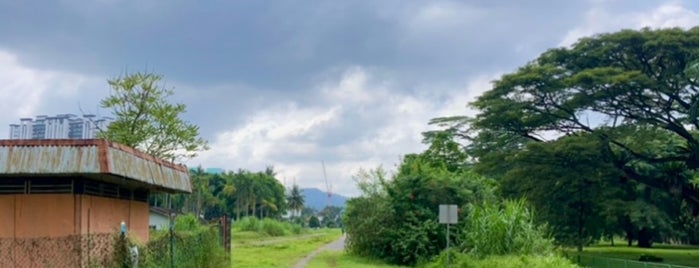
<point>336,245</point>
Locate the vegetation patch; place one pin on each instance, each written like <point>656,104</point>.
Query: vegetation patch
<point>261,250</point>
<point>506,261</point>
<point>670,254</point>
<point>342,259</point>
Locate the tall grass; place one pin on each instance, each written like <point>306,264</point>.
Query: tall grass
<point>267,226</point>
<point>506,261</point>
<point>505,229</point>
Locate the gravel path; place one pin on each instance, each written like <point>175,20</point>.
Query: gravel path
<point>336,245</point>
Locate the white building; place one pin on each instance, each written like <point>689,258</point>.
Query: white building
<point>62,126</point>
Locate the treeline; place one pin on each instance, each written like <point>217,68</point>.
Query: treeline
<point>601,139</point>
<point>238,194</point>
<point>243,194</point>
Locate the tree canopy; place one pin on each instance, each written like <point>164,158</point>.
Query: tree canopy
<point>146,120</point>
<point>616,112</point>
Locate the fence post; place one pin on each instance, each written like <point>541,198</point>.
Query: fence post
<point>172,241</point>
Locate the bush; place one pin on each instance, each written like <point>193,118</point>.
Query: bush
<point>249,224</point>
<point>503,230</point>
<point>272,227</point>
<point>507,261</point>
<point>313,222</point>
<point>267,226</point>
<point>193,245</point>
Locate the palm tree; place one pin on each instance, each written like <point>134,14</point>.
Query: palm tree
<point>295,199</point>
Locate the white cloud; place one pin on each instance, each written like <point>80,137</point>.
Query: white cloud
<point>26,92</point>
<point>599,19</point>
<point>375,122</point>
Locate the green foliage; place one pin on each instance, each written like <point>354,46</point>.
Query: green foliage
<point>248,224</point>
<point>396,220</point>
<point>295,200</point>
<point>187,223</point>
<point>193,245</point>
<point>238,194</point>
<point>601,136</point>
<point>266,226</point>
<point>272,227</point>
<point>504,230</point>
<point>313,222</point>
<point>331,217</point>
<point>147,121</point>
<point>506,261</point>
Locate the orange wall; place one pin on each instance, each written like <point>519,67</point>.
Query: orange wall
<point>53,215</point>
<point>46,215</point>
<point>7,215</point>
<point>106,215</point>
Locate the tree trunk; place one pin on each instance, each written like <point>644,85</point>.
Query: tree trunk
<point>254,207</point>
<point>237,209</point>
<point>645,238</point>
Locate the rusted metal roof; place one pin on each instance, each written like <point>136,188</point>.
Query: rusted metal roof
<point>90,157</point>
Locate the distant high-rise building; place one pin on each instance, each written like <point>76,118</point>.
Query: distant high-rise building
<point>62,126</point>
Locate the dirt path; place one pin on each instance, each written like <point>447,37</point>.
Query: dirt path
<point>336,245</point>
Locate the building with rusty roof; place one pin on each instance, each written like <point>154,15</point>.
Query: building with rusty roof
<point>63,200</point>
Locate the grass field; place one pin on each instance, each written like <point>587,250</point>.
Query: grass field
<point>252,249</point>
<point>340,259</point>
<point>671,254</point>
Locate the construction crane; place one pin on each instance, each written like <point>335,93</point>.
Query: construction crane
<point>327,184</point>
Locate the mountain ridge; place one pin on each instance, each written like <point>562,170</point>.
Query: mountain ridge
<point>318,199</point>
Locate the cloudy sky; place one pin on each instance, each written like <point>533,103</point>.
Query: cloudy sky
<point>294,83</point>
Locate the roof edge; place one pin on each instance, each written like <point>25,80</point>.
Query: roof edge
<point>102,144</point>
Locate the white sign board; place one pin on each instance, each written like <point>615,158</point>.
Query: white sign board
<point>448,214</point>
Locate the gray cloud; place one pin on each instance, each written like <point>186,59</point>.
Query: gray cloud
<point>291,83</point>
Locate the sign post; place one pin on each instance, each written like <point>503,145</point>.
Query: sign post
<point>448,214</point>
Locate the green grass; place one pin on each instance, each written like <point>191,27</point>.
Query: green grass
<point>341,259</point>
<point>252,249</point>
<point>671,254</point>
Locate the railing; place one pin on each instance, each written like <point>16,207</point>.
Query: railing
<point>602,262</point>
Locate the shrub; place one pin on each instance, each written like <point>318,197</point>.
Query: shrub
<point>507,229</point>
<point>249,224</point>
<point>272,227</point>
<point>313,222</point>
<point>193,245</point>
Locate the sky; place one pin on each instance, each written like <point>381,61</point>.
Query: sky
<point>293,83</point>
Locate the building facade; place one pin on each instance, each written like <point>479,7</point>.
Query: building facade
<point>62,126</point>
<point>63,201</point>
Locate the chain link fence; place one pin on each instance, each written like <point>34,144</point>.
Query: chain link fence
<point>67,251</point>
<point>200,246</point>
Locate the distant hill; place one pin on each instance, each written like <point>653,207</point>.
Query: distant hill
<point>318,199</point>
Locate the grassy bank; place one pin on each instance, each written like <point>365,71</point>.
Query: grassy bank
<point>671,254</point>
<point>341,259</point>
<point>255,249</point>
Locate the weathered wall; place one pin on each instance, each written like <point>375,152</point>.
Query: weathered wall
<point>52,228</point>
<point>105,215</point>
<point>32,216</point>
<point>7,215</point>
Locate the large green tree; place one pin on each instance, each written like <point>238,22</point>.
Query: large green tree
<point>641,78</point>
<point>147,120</point>
<point>634,94</point>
